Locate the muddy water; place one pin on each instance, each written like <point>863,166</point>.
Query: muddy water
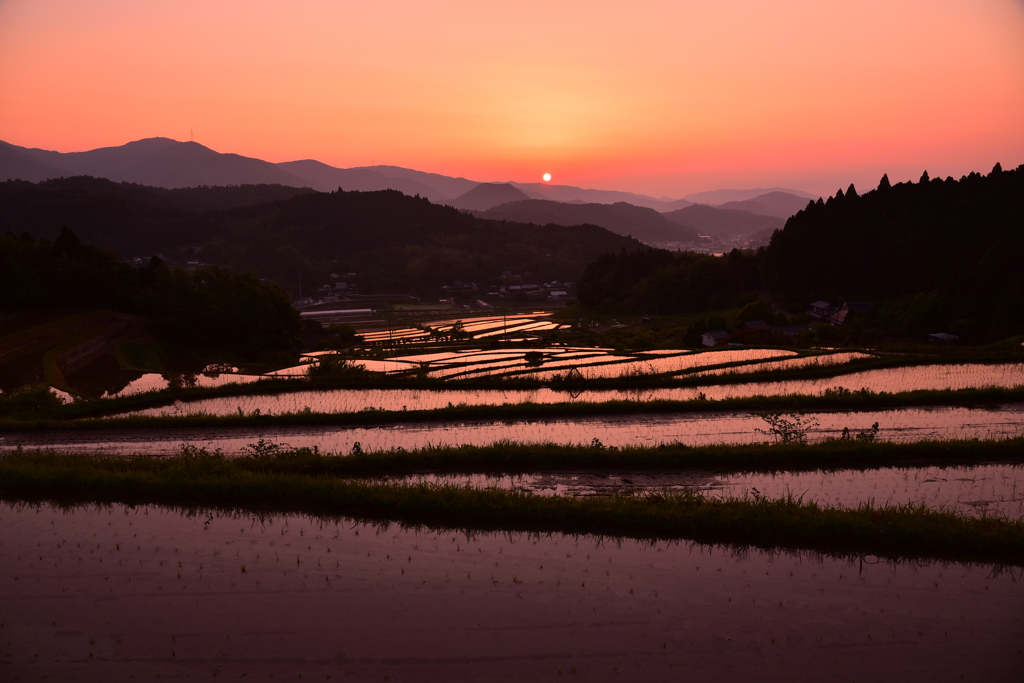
<point>353,400</point>
<point>911,424</point>
<point>116,593</point>
<point>992,490</point>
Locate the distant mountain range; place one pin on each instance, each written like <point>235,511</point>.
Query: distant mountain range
<point>166,163</point>
<point>712,220</point>
<point>163,162</point>
<point>718,197</point>
<point>486,195</point>
<point>290,235</point>
<point>646,225</point>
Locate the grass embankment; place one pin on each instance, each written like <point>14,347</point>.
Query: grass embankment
<point>210,482</point>
<point>840,400</point>
<point>516,458</point>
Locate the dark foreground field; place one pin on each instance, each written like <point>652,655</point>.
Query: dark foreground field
<point>125,592</point>
<point>288,564</point>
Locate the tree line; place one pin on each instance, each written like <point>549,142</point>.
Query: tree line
<point>210,308</point>
<point>935,255</point>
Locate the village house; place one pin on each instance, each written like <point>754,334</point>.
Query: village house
<point>714,338</point>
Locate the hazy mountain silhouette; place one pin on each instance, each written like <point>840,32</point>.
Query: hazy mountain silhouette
<point>779,204</point>
<point>675,206</point>
<point>568,193</point>
<point>164,162</point>
<point>447,186</point>
<point>161,162</point>
<point>17,162</point>
<point>326,178</point>
<point>716,197</point>
<point>487,195</point>
<point>642,223</point>
<point>106,162</point>
<point>711,220</point>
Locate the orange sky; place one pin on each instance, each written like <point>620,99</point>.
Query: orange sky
<point>665,98</point>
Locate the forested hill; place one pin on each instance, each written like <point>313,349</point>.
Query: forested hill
<point>392,241</point>
<point>950,248</point>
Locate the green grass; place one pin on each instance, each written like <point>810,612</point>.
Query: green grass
<point>840,400</point>
<point>897,532</point>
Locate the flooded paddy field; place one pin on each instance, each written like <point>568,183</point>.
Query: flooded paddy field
<point>1006,375</point>
<point>113,593</point>
<point>694,429</point>
<point>995,490</point>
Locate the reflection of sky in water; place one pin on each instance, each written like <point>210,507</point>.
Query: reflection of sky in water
<point>354,400</point>
<point>979,490</point>
<point>645,430</point>
<point>787,364</point>
<point>148,591</point>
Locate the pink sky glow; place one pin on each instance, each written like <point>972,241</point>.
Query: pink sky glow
<point>661,97</point>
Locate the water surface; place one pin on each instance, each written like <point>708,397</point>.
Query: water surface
<point>893,380</point>
<point>903,425</point>
<point>146,593</point>
<point>995,490</point>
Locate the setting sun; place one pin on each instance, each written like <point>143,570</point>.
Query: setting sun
<point>547,177</point>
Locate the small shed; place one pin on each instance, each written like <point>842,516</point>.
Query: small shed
<point>714,338</point>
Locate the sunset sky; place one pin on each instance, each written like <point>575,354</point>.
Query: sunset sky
<point>664,98</point>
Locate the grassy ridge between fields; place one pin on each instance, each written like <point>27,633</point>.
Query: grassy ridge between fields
<point>203,483</point>
<point>511,458</point>
<point>840,401</point>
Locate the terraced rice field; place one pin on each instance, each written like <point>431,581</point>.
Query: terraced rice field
<point>1007,375</point>
<point>148,593</point>
<point>909,424</point>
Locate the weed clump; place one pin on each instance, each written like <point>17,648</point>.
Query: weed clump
<point>335,368</point>
<point>788,428</point>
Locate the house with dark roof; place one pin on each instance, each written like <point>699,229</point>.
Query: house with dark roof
<point>714,338</point>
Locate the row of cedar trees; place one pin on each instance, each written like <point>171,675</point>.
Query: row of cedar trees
<point>935,255</point>
<point>208,309</point>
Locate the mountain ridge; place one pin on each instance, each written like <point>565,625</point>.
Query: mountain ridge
<point>645,224</point>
